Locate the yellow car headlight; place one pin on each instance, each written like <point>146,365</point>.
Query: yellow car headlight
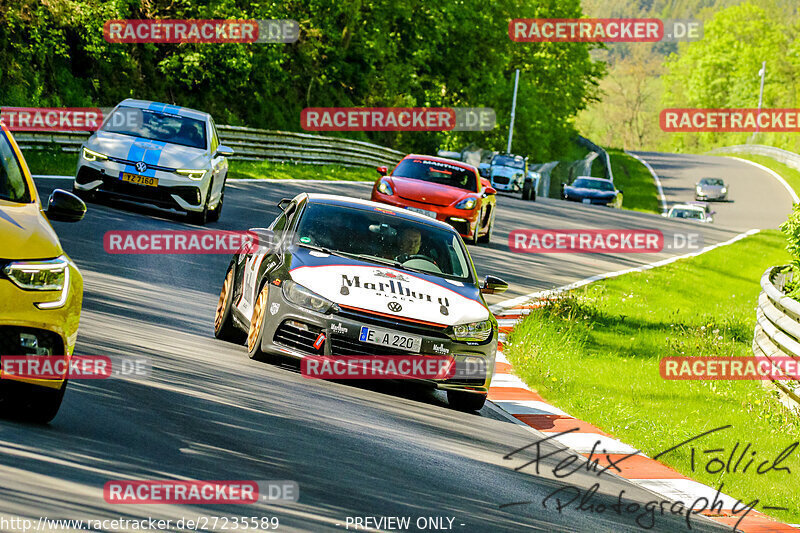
<point>48,275</point>
<point>192,174</point>
<point>91,155</point>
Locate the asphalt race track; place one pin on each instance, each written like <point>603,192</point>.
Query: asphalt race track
<point>208,412</point>
<point>755,200</point>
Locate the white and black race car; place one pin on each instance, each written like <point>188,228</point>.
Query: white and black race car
<point>339,268</point>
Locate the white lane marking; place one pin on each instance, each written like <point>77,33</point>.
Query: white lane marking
<point>528,407</point>
<point>772,173</point>
<point>655,178</point>
<point>585,443</point>
<point>498,307</point>
<point>500,358</point>
<point>508,380</point>
<point>687,491</point>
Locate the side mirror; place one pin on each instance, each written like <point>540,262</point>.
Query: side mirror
<point>64,206</point>
<point>225,151</point>
<point>265,241</point>
<point>620,191</point>
<point>382,170</point>
<point>490,190</point>
<point>493,285</point>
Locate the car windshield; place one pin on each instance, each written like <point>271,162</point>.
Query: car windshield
<point>13,186</point>
<point>712,181</point>
<point>375,234</point>
<point>686,213</point>
<point>157,126</point>
<point>437,172</point>
<point>508,161</point>
<point>600,185</point>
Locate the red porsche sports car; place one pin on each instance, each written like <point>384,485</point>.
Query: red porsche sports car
<point>443,189</point>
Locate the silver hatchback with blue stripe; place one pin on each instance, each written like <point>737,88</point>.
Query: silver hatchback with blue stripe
<point>166,156</point>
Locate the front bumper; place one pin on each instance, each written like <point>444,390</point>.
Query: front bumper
<point>172,192</point>
<point>293,330</point>
<point>592,201</point>
<point>28,330</point>
<point>465,222</point>
<point>503,183</point>
<point>711,196</point>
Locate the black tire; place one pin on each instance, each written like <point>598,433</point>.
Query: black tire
<point>474,239</point>
<point>200,218</point>
<point>256,333</point>
<point>217,211</point>
<point>224,328</point>
<point>527,191</point>
<point>31,403</point>
<point>486,239</point>
<point>466,401</point>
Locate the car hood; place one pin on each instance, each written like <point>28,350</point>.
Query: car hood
<point>427,192</point>
<point>25,233</point>
<point>506,172</point>
<point>710,188</point>
<point>589,193</point>
<point>372,287</point>
<point>151,152</point>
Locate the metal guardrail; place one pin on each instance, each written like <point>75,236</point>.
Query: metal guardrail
<point>790,159</point>
<point>251,144</point>
<point>545,169</point>
<point>605,159</point>
<point>777,331</point>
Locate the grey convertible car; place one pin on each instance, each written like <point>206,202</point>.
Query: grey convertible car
<point>339,268</point>
<point>711,189</point>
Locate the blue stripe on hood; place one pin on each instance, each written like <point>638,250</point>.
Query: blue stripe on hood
<point>150,156</point>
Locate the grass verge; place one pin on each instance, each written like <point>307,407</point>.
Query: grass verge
<point>59,163</point>
<point>633,178</point>
<point>595,353</point>
<point>791,175</point>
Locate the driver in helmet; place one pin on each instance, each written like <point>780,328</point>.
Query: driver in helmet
<point>409,242</point>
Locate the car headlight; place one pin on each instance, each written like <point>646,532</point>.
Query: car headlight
<point>699,189</point>
<point>385,188</point>
<point>724,190</point>
<point>466,203</point>
<point>474,331</point>
<point>91,155</point>
<point>191,173</point>
<point>299,295</point>
<point>49,275</point>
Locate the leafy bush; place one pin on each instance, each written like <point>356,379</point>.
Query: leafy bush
<point>791,228</point>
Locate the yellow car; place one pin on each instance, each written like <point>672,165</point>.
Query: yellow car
<point>41,289</point>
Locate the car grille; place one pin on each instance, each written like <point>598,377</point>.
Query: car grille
<point>133,163</point>
<point>501,180</point>
<point>341,345</point>
<point>292,335</point>
<point>10,341</point>
<point>157,195</point>
<point>367,319</point>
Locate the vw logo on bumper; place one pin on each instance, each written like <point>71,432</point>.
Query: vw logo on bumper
<point>141,166</point>
<point>396,307</point>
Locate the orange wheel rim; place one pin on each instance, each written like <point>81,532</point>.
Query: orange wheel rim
<point>258,318</point>
<point>223,297</point>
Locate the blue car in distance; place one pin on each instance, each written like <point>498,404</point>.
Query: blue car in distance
<point>590,190</point>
